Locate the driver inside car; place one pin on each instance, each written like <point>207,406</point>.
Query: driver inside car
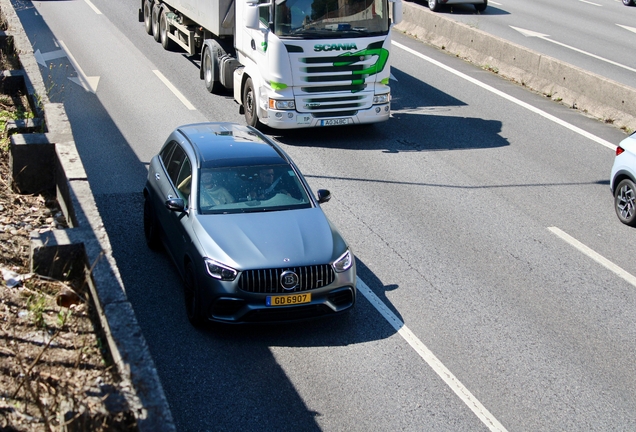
<point>266,185</point>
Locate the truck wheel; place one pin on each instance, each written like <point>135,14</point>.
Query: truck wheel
<point>166,42</point>
<point>156,11</point>
<point>481,7</point>
<point>250,104</point>
<point>148,16</point>
<point>210,71</point>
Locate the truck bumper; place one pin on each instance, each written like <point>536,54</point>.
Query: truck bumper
<point>295,120</point>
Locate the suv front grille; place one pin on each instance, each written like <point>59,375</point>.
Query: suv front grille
<point>267,281</point>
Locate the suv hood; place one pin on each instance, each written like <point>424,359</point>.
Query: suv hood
<point>273,239</point>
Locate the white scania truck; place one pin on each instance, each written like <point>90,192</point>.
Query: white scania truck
<point>290,63</point>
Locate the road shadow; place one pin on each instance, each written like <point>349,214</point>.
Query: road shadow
<point>213,380</point>
<point>420,121</point>
<point>227,377</point>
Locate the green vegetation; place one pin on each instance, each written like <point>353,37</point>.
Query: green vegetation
<point>9,111</point>
<point>37,307</point>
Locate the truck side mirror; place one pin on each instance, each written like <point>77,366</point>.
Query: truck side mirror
<point>252,13</point>
<point>397,11</point>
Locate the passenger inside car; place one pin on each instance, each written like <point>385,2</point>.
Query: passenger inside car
<point>184,181</point>
<point>212,191</point>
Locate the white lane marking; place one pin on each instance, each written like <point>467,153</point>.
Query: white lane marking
<point>589,2</point>
<point>631,29</point>
<point>88,83</point>
<point>174,90</point>
<point>595,256</point>
<point>464,394</point>
<point>525,105</point>
<point>97,11</point>
<point>545,37</point>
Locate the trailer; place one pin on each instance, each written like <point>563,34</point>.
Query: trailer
<point>289,63</point>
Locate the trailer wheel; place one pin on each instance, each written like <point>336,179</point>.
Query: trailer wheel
<point>210,70</point>
<point>481,7</point>
<point>156,11</point>
<point>148,16</point>
<point>249,103</point>
<point>166,42</point>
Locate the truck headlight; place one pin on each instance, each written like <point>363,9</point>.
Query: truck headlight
<point>381,99</point>
<point>282,104</point>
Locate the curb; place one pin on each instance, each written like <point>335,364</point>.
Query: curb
<point>43,156</point>
<point>599,97</point>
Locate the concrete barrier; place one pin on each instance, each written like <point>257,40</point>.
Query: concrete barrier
<point>607,100</point>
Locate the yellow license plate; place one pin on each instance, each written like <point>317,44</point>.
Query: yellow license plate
<point>286,300</point>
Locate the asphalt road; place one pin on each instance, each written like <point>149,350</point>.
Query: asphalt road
<point>478,308</point>
<point>596,35</point>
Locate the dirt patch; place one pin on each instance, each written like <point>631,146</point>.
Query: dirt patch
<point>54,371</point>
<point>8,59</point>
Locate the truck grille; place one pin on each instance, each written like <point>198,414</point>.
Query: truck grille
<point>345,78</point>
<point>267,281</point>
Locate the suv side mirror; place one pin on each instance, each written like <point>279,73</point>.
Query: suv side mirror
<point>175,204</point>
<point>323,195</point>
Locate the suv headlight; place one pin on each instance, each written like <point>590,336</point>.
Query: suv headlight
<point>282,104</point>
<point>344,262</point>
<point>220,271</point>
<point>382,98</point>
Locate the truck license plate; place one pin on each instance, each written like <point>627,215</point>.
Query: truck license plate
<point>286,300</point>
<point>334,122</point>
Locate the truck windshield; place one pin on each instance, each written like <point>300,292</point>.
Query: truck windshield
<point>330,18</point>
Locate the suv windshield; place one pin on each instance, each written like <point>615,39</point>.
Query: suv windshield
<point>330,18</point>
<point>250,189</point>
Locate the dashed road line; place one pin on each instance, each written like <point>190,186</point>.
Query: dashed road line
<point>594,255</point>
<point>97,11</point>
<point>174,90</point>
<point>510,98</point>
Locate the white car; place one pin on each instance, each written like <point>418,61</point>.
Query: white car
<point>480,5</point>
<point>623,180</point>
